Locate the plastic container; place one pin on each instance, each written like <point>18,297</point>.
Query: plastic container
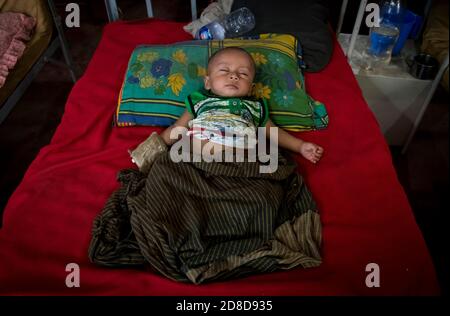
<point>235,24</point>
<point>392,12</point>
<point>382,39</point>
<point>405,29</point>
<point>381,42</point>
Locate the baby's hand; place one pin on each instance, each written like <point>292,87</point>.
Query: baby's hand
<point>311,151</point>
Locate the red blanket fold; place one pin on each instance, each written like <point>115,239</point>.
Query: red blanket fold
<point>365,213</point>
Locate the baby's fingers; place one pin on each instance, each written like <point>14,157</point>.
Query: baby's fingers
<point>319,150</point>
<point>314,159</point>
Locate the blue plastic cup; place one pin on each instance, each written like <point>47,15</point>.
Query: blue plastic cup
<point>405,28</point>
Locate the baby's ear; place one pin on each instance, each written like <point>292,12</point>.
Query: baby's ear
<point>250,93</point>
<point>207,83</point>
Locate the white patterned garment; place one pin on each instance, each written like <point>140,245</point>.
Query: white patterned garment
<point>227,121</point>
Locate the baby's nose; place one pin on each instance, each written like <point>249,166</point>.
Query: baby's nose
<point>234,76</point>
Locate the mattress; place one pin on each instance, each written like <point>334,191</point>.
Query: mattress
<point>367,220</point>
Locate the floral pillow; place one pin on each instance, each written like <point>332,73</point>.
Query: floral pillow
<point>159,78</point>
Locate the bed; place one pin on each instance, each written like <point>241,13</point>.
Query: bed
<point>365,213</point>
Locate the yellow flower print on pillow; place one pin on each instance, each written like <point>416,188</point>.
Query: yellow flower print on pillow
<point>261,91</point>
<point>148,57</point>
<point>147,81</point>
<point>201,71</point>
<point>180,57</point>
<point>176,83</point>
<point>259,59</point>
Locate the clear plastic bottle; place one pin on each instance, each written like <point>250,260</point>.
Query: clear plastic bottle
<point>235,24</point>
<point>383,38</point>
<point>392,12</point>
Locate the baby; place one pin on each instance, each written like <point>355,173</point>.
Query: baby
<point>227,105</point>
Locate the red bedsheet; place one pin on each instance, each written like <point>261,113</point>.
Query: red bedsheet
<point>365,213</point>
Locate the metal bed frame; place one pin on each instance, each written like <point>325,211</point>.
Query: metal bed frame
<point>58,42</point>
<point>113,13</point>
<point>436,80</point>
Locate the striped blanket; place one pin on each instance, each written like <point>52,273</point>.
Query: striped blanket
<point>198,222</point>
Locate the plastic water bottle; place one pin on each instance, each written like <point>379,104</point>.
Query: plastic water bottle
<point>383,38</point>
<point>392,12</point>
<point>382,41</point>
<point>235,24</point>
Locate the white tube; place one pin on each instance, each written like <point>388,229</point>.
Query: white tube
<point>341,17</point>
<point>111,10</point>
<point>148,4</point>
<point>194,9</point>
<point>359,17</point>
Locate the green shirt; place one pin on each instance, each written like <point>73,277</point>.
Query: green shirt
<point>255,112</point>
<point>225,120</point>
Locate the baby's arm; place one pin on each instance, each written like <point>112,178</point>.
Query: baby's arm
<point>310,151</point>
<point>182,121</point>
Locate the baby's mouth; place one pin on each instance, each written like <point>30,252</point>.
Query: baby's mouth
<point>232,86</point>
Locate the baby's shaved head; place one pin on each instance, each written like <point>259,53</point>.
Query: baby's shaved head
<point>232,49</point>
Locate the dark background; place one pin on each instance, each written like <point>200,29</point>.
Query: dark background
<point>423,171</point>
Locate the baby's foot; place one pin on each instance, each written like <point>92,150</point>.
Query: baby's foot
<point>311,151</point>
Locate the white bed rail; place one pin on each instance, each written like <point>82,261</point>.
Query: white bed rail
<point>113,13</point>
<point>341,17</point>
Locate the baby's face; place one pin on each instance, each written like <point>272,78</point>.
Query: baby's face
<point>230,74</point>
